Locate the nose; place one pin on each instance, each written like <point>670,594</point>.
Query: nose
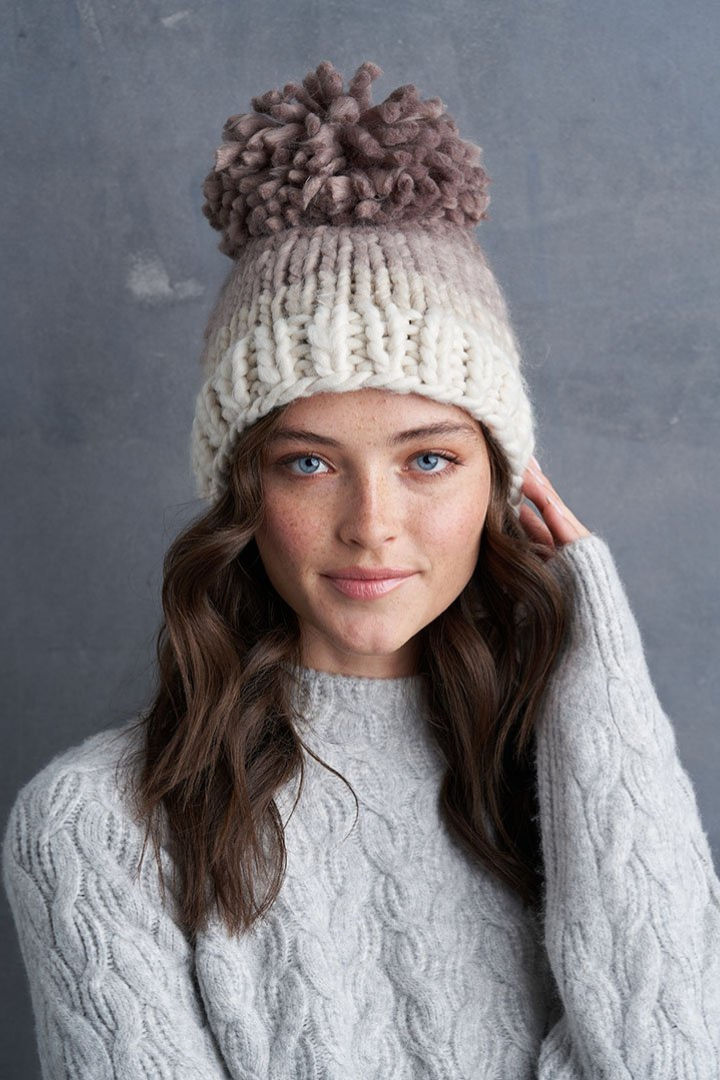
<point>369,514</point>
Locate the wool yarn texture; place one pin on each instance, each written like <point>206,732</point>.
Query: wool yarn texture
<point>351,227</point>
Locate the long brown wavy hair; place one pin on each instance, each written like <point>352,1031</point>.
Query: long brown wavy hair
<point>220,737</point>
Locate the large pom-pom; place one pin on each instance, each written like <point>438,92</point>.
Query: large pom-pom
<point>317,154</point>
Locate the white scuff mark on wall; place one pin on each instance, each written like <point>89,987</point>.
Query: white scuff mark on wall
<point>89,20</point>
<point>148,281</point>
<point>186,290</point>
<point>171,21</point>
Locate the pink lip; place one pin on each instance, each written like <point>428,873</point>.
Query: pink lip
<point>357,573</point>
<point>367,589</point>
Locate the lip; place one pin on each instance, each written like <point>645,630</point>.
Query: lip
<point>357,573</point>
<point>367,588</point>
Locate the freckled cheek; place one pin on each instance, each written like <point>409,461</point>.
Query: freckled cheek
<point>288,532</point>
<point>457,531</point>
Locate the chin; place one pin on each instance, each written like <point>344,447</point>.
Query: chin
<point>359,644</point>
<point>369,648</point>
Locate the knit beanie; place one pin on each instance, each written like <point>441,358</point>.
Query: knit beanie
<point>351,227</point>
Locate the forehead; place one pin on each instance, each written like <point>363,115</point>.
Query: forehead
<point>374,408</point>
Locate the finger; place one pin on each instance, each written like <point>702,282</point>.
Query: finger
<point>534,526</point>
<point>563,523</point>
<point>535,487</point>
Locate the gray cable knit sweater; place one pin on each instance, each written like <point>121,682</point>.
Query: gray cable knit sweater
<point>387,954</point>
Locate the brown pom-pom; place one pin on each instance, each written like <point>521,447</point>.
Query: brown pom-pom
<point>317,154</point>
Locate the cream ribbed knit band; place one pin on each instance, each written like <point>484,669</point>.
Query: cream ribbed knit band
<point>336,308</point>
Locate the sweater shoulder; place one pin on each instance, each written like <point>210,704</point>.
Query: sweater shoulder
<point>81,790</point>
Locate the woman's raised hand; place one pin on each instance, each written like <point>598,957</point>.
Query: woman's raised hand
<point>558,525</point>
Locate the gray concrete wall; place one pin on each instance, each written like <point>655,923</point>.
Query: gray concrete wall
<point>600,131</point>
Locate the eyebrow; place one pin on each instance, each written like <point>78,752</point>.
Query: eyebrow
<point>400,438</point>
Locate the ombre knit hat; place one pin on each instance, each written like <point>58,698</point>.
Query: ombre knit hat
<point>355,264</point>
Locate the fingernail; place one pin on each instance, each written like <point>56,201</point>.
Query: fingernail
<point>535,461</point>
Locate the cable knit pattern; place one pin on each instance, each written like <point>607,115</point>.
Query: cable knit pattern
<point>388,954</point>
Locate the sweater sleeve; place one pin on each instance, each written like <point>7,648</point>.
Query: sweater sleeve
<point>631,912</point>
<point>111,974</point>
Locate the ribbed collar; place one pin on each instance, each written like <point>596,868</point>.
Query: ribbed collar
<point>349,710</point>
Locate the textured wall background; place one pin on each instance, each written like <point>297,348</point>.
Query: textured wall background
<point>600,130</point>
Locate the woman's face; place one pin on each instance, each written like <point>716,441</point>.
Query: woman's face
<point>352,482</point>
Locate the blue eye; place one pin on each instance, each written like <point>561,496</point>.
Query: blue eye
<point>305,459</point>
<point>433,458</point>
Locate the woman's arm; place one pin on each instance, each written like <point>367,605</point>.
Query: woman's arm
<point>111,974</point>
<point>632,903</point>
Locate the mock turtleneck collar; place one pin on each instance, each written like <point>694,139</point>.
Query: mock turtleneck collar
<point>357,709</point>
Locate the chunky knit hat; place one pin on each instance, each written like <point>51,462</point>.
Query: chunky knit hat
<point>351,230</point>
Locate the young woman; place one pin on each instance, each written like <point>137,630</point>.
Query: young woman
<point>405,803</point>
